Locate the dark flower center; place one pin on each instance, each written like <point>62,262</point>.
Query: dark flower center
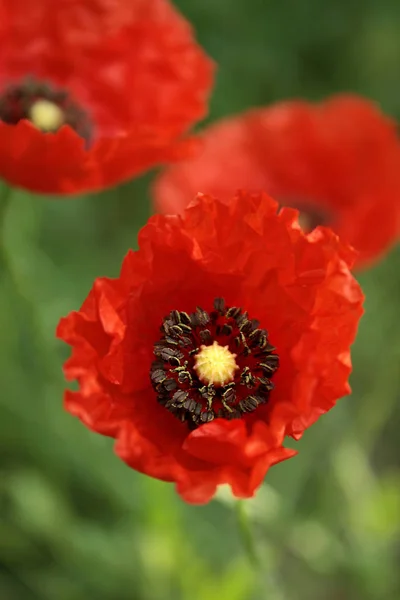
<point>212,365</point>
<point>46,107</point>
<point>311,214</point>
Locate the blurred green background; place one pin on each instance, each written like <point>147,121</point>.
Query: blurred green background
<point>76,523</point>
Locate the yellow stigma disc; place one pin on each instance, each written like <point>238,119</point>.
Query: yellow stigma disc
<point>46,115</point>
<point>215,364</point>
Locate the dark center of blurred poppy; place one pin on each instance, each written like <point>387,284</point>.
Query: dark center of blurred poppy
<point>311,215</point>
<point>47,108</point>
<point>215,364</point>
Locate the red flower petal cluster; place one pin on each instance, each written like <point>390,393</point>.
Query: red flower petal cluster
<point>338,162</point>
<point>239,276</point>
<point>122,81</point>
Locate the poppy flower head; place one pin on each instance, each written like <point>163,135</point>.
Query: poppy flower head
<point>337,162</point>
<point>95,91</point>
<point>228,329</point>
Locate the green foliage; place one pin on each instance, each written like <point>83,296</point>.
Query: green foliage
<point>78,524</point>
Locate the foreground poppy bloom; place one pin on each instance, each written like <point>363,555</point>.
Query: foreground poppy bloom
<point>338,162</point>
<point>227,330</point>
<point>93,92</point>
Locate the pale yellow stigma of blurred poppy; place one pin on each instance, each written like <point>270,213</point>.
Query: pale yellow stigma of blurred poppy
<point>46,115</point>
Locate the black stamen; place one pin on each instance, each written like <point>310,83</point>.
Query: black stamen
<point>219,305</point>
<point>205,336</point>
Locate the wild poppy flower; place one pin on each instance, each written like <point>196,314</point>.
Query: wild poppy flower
<point>93,92</point>
<point>338,162</point>
<point>228,329</point>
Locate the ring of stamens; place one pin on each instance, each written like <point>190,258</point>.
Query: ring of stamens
<point>215,364</point>
<point>47,108</point>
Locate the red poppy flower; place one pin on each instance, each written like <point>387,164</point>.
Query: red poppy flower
<point>178,358</point>
<point>93,92</point>
<point>338,162</point>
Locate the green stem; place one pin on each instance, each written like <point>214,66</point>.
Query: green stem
<point>5,198</point>
<point>5,195</point>
<point>246,533</point>
<point>9,267</point>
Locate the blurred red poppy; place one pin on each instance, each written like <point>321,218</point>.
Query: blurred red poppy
<point>227,330</point>
<point>93,92</point>
<point>338,162</point>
